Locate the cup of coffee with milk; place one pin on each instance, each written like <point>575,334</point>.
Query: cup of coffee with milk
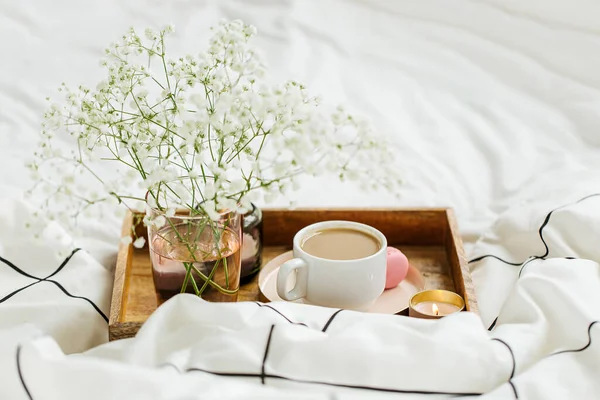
<point>339,264</point>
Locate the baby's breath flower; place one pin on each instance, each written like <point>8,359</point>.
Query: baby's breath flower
<point>159,221</point>
<point>203,132</point>
<point>139,242</point>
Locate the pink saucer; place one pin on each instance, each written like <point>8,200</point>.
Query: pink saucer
<point>391,301</point>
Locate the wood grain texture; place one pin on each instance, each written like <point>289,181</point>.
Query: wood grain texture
<point>459,264</point>
<point>428,237</point>
<point>406,226</point>
<point>123,330</point>
<point>123,262</point>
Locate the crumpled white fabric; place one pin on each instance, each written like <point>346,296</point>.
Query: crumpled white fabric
<point>542,346</point>
<point>33,281</point>
<point>495,107</point>
<point>483,98</point>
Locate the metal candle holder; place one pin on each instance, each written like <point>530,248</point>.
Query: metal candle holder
<point>437,296</point>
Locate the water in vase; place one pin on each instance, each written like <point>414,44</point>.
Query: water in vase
<point>213,252</point>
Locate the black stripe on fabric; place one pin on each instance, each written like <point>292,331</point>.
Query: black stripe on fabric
<point>330,320</point>
<point>497,258</point>
<point>80,297</point>
<point>280,313</point>
<point>514,388</point>
<point>589,343</point>
<point>60,267</point>
<point>264,361</point>
<point>373,388</point>
<point>512,355</point>
<point>526,263</point>
<point>168,364</point>
<point>530,259</point>
<point>20,372</point>
<point>47,279</point>
<point>534,258</point>
<point>540,232</point>
<point>65,262</point>
<point>8,296</point>
<point>228,374</point>
<point>342,385</point>
<point>19,270</point>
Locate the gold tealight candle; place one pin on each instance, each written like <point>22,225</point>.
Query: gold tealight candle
<point>434,304</point>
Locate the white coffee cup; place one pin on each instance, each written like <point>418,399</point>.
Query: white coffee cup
<point>349,284</point>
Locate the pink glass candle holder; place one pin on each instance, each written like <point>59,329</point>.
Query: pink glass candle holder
<point>252,242</point>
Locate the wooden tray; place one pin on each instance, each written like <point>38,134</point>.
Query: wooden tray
<point>429,237</point>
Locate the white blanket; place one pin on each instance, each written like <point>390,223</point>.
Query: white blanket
<point>495,108</point>
<point>542,311</point>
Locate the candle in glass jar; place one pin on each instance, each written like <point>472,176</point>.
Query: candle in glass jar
<point>434,304</point>
<point>252,243</point>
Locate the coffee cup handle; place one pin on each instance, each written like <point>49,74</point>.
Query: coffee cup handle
<point>299,290</point>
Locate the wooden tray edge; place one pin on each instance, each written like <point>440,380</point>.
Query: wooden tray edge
<point>123,330</point>
<point>359,209</point>
<point>123,260</point>
<point>460,265</point>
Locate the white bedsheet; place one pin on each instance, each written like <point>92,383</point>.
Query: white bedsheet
<point>542,344</point>
<point>495,106</point>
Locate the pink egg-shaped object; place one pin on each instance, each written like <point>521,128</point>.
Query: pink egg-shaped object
<point>397,267</point>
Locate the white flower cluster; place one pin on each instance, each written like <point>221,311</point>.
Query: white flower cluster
<point>204,132</point>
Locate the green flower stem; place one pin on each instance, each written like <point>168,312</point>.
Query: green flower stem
<point>117,159</point>
<point>92,172</point>
<point>188,273</point>
<point>203,276</point>
<point>214,284</point>
<point>162,57</point>
<point>237,153</point>
<point>196,290</point>
<point>224,258</point>
<point>138,163</point>
<point>150,120</point>
<point>128,197</point>
<point>210,277</point>
<point>211,111</point>
<point>199,232</point>
<point>267,183</point>
<point>189,169</point>
<point>226,271</point>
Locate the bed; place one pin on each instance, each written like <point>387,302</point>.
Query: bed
<point>495,109</point>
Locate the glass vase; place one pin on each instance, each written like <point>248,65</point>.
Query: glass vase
<point>251,243</point>
<point>195,254</point>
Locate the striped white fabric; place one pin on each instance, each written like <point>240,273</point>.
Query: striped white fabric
<point>494,105</point>
<point>537,337</point>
